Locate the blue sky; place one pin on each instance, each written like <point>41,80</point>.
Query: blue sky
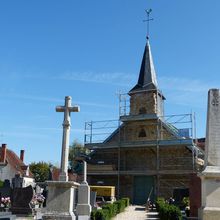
<point>90,50</point>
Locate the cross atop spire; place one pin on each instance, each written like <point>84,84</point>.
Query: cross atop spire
<point>148,11</point>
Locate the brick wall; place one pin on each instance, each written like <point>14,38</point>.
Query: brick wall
<point>194,195</point>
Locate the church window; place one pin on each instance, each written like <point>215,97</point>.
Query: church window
<point>142,110</point>
<point>142,133</point>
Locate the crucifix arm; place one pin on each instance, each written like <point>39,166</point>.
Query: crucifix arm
<point>60,108</point>
<point>71,109</point>
<point>74,109</point>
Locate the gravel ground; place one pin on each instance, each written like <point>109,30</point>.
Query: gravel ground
<point>136,213</point>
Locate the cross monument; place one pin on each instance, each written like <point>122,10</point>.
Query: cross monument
<point>67,109</point>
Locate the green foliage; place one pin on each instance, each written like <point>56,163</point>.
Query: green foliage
<point>120,205</point>
<point>93,214</point>
<point>102,214</point>
<point>185,202</point>
<point>127,201</point>
<point>75,150</point>
<point>40,171</point>
<point>110,210</point>
<point>1,183</point>
<point>166,211</point>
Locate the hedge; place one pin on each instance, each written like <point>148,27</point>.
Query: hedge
<point>110,210</point>
<point>168,212</point>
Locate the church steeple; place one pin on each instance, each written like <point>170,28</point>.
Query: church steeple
<point>147,77</point>
<point>145,97</point>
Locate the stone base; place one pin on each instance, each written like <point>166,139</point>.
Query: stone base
<point>210,179</point>
<point>19,210</point>
<point>60,200</point>
<point>59,216</point>
<point>210,213</point>
<point>7,215</point>
<point>83,217</point>
<point>83,207</point>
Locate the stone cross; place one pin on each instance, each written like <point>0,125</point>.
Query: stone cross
<point>67,109</point>
<point>84,171</point>
<point>212,148</point>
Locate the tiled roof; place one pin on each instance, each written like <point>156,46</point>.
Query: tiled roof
<point>72,176</point>
<point>16,163</point>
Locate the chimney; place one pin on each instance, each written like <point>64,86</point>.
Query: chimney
<point>22,155</point>
<point>3,153</point>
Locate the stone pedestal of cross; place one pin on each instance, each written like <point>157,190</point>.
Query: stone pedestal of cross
<point>67,109</point>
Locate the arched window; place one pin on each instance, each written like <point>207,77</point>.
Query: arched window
<point>142,133</point>
<point>142,110</point>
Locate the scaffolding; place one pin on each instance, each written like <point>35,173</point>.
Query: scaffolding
<point>99,135</point>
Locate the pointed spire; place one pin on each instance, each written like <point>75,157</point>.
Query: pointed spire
<point>147,76</point>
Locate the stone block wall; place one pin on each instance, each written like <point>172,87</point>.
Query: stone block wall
<point>168,182</point>
<point>175,158</point>
<point>139,159</point>
<point>194,194</point>
<point>144,100</point>
<point>153,130</point>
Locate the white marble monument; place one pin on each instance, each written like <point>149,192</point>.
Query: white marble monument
<point>84,208</point>
<point>61,193</point>
<point>210,177</point>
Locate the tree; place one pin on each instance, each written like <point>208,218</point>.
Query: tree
<point>76,151</point>
<point>40,170</point>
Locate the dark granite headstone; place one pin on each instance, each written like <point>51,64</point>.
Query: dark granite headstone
<point>17,181</point>
<point>21,197</point>
<point>5,190</point>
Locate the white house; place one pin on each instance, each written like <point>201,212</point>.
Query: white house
<point>11,164</point>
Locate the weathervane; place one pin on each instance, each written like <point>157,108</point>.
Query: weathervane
<point>148,11</point>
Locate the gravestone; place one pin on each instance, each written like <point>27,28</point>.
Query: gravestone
<point>6,189</point>
<point>83,208</point>
<point>20,199</point>
<point>210,177</point>
<point>17,181</point>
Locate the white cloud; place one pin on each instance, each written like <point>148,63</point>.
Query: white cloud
<point>186,84</point>
<point>53,100</point>
<point>77,130</point>
<point>115,78</point>
<point>186,91</point>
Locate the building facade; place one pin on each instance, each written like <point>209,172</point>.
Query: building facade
<point>148,154</point>
<point>12,165</point>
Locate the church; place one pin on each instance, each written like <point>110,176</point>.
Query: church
<point>148,154</point>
